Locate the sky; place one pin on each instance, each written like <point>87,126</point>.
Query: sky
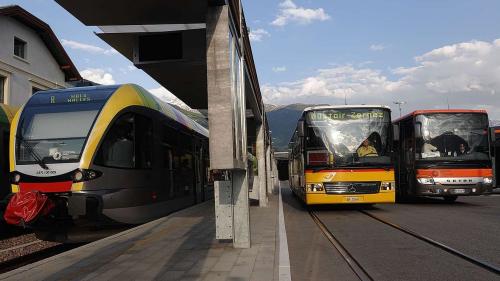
<point>428,54</point>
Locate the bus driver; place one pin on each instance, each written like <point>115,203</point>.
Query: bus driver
<point>366,149</point>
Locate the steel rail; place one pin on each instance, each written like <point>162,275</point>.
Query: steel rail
<point>351,261</point>
<point>23,260</point>
<point>471,259</point>
<point>20,246</point>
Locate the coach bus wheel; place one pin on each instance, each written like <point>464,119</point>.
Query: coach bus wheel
<point>450,199</point>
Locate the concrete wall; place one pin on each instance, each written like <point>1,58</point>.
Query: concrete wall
<point>39,70</point>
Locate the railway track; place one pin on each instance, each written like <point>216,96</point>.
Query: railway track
<point>363,275</point>
<point>350,260</point>
<point>430,241</point>
<point>27,250</point>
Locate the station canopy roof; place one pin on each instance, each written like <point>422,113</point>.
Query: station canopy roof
<point>123,21</point>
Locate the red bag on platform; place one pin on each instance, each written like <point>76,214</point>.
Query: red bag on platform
<point>25,207</point>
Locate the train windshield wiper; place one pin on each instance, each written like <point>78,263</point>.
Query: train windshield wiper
<point>34,154</point>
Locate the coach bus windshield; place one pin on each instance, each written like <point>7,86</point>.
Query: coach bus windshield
<point>348,137</point>
<point>452,137</point>
<point>55,132</point>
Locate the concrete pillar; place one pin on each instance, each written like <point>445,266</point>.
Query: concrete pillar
<point>275,172</point>
<point>261,158</point>
<point>241,214</point>
<point>234,224</point>
<point>269,170</point>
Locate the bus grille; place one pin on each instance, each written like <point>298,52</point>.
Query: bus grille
<point>352,187</point>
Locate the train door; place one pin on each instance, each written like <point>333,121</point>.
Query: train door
<point>199,193</point>
<point>168,144</point>
<point>184,174</point>
<point>4,161</point>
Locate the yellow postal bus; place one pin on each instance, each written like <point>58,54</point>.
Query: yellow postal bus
<point>343,155</point>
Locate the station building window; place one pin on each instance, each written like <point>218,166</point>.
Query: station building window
<point>20,48</point>
<point>238,96</point>
<point>2,88</point>
<point>127,144</point>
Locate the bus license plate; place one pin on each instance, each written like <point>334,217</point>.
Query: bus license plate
<point>353,198</point>
<point>458,191</point>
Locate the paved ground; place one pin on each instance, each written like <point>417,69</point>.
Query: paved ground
<point>312,257</point>
<point>182,245</point>
<point>178,247</point>
<point>471,225</point>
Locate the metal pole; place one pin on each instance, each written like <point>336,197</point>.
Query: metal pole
<point>399,103</point>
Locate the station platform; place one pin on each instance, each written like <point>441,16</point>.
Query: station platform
<point>181,246</point>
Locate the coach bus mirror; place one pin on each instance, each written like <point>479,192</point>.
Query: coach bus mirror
<point>418,130</point>
<point>395,129</point>
<point>300,128</point>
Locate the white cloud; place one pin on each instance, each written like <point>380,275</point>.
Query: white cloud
<point>258,34</point>
<point>279,68</point>
<point>87,48</point>
<point>166,96</point>
<point>98,75</point>
<point>290,12</point>
<point>377,47</point>
<point>466,74</point>
<point>128,69</point>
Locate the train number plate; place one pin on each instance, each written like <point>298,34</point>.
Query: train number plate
<point>458,191</point>
<point>353,198</point>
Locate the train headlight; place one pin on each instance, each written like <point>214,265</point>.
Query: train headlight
<point>85,175</point>
<point>386,186</point>
<point>315,187</point>
<point>488,180</point>
<point>78,176</point>
<point>15,178</point>
<point>426,180</point>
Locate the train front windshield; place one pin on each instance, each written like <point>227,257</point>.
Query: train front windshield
<point>54,134</point>
<point>452,137</point>
<point>53,127</point>
<point>348,137</point>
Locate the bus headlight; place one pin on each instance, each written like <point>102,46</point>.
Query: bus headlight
<point>386,186</point>
<point>488,180</point>
<point>315,187</point>
<point>426,180</point>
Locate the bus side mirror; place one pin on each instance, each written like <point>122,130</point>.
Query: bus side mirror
<point>418,130</point>
<point>395,129</point>
<point>300,128</point>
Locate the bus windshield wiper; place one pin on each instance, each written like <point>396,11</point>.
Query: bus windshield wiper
<point>34,154</point>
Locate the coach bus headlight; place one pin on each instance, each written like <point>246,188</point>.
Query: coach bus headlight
<point>386,186</point>
<point>316,187</point>
<point>426,180</point>
<point>15,178</point>
<point>488,180</point>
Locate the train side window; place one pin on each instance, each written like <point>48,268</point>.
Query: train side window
<point>117,149</point>
<point>168,140</point>
<point>144,142</point>
<point>128,143</point>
